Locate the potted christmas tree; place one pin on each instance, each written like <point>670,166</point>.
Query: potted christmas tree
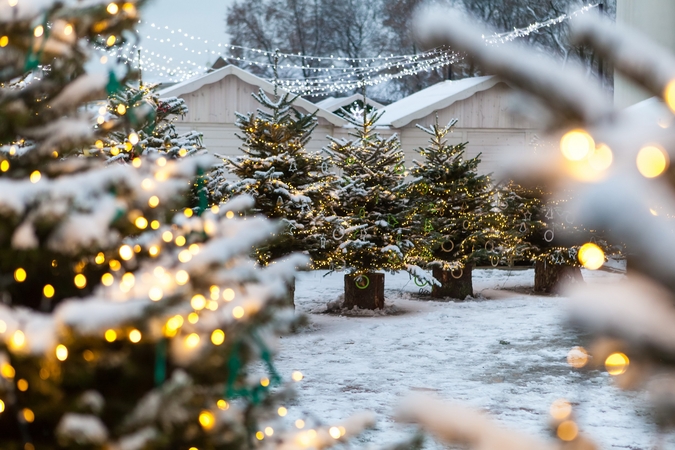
<point>371,211</point>
<point>288,182</point>
<point>450,214</point>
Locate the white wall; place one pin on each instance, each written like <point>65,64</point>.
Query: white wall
<point>655,19</point>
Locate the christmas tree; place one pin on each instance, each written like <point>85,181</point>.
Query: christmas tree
<point>371,211</point>
<point>149,125</point>
<point>547,233</point>
<point>128,320</point>
<point>450,215</point>
<point>288,182</point>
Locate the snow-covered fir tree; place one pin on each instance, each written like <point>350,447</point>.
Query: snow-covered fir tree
<point>371,210</point>
<point>287,181</point>
<point>450,211</point>
<point>128,321</point>
<point>149,125</point>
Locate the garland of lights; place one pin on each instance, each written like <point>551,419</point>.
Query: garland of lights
<point>343,74</point>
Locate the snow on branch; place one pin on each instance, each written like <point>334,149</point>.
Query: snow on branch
<point>327,436</point>
<point>642,60</point>
<point>636,309</point>
<point>575,100</point>
<point>455,424</point>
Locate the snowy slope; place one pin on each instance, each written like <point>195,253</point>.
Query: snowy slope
<point>506,354</point>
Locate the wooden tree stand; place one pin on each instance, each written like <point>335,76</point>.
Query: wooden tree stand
<point>459,288</point>
<point>370,297</point>
<point>551,278</point>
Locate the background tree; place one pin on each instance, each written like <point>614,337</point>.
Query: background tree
<point>371,211</point>
<point>450,215</point>
<point>361,28</point>
<point>287,181</point>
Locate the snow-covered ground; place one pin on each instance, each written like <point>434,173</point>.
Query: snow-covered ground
<point>505,353</point>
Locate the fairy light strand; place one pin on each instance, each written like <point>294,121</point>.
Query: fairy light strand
<point>342,75</point>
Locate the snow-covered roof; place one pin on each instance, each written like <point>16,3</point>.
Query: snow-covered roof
<point>436,97</point>
<point>335,103</point>
<point>194,84</point>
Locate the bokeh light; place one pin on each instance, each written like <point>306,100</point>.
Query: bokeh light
<point>577,145</point>
<point>652,161</point>
<point>591,256</point>
<point>617,364</point>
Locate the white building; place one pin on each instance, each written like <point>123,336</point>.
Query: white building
<point>214,98</point>
<point>653,18</point>
<point>479,104</point>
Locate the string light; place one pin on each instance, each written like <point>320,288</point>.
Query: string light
<point>28,415</point>
<point>135,336</point>
<point>348,73</point>
<point>48,291</point>
<point>110,335</point>
<point>18,340</point>
<point>107,279</point>
<point>61,352</point>
<point>198,302</point>
<point>80,281</point>
<point>126,252</point>
<point>217,337</point>
<point>113,8</point>
<point>297,376</point>
<point>20,275</point>
<point>207,420</point>
<point>192,340</point>
<point>182,277</point>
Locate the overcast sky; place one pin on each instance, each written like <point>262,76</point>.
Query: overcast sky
<point>201,18</point>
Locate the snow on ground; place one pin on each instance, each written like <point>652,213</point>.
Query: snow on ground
<point>505,353</point>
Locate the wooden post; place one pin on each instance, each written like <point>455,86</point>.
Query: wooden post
<point>551,278</point>
<point>459,286</point>
<point>365,292</point>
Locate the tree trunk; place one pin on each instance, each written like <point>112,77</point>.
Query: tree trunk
<point>366,292</point>
<point>551,278</point>
<point>459,288</point>
<point>290,296</point>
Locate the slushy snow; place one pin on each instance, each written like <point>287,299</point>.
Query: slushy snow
<point>504,352</point>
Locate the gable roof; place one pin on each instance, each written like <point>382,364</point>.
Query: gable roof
<point>335,103</point>
<point>196,83</point>
<point>436,97</point>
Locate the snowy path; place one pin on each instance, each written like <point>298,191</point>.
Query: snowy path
<point>506,355</point>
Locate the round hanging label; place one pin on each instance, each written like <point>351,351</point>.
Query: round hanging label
<point>360,279</point>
